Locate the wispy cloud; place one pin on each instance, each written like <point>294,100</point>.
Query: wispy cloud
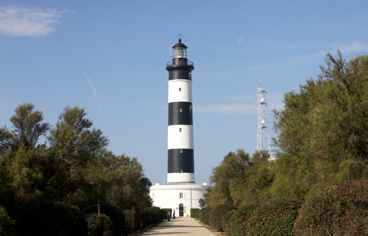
<point>93,89</point>
<point>354,47</point>
<point>16,20</point>
<point>229,109</point>
<point>240,98</point>
<point>274,101</point>
<point>351,47</point>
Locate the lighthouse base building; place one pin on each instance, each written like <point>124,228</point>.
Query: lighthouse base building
<point>178,197</point>
<point>180,193</point>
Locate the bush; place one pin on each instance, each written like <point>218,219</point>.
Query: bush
<point>7,224</point>
<point>108,226</point>
<point>239,220</point>
<point>50,218</point>
<point>204,215</point>
<point>340,210</point>
<point>115,214</point>
<point>130,224</point>
<point>216,215</point>
<point>167,210</point>
<point>153,215</point>
<point>194,212</point>
<point>226,221</point>
<point>275,217</point>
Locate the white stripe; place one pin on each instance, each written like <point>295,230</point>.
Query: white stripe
<point>180,136</point>
<point>180,90</point>
<point>180,177</point>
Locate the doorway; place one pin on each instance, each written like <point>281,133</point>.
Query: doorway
<point>181,209</point>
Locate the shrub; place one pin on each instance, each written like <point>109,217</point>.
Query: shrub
<point>115,214</point>
<point>275,217</point>
<point>168,210</point>
<point>194,212</point>
<point>226,221</point>
<point>7,224</point>
<point>153,215</point>
<point>340,210</point>
<point>239,220</point>
<point>216,215</point>
<point>50,218</point>
<point>130,225</point>
<point>108,226</point>
<point>204,215</point>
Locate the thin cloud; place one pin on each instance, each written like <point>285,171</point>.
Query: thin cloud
<point>240,40</point>
<point>20,21</point>
<point>229,109</point>
<point>354,47</point>
<point>274,101</point>
<point>240,98</point>
<point>94,91</point>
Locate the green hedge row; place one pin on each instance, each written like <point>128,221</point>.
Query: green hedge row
<point>340,210</point>
<point>58,218</point>
<point>194,212</point>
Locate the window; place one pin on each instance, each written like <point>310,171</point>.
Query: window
<point>181,195</point>
<point>179,129</point>
<point>179,89</point>
<point>181,110</point>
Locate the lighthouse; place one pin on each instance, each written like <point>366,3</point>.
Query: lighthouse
<point>180,193</point>
<point>180,129</point>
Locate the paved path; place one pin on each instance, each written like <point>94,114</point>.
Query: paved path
<point>179,226</point>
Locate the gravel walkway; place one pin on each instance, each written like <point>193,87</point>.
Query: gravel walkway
<point>179,226</point>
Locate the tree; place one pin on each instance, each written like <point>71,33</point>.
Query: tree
<point>230,174</point>
<point>120,181</point>
<point>5,142</point>
<point>323,130</point>
<point>28,125</point>
<point>74,140</point>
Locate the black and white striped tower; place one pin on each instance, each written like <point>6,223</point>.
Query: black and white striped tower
<point>180,130</point>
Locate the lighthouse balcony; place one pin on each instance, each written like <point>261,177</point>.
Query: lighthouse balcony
<point>180,63</point>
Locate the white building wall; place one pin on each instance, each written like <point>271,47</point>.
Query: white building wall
<point>168,196</point>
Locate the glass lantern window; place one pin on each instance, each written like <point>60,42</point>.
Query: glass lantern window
<point>179,52</point>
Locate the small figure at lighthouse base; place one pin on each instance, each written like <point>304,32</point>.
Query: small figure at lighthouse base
<point>180,193</point>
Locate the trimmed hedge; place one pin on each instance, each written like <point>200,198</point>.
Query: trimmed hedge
<point>139,219</point>
<point>216,215</point>
<point>275,217</point>
<point>7,224</point>
<point>115,214</point>
<point>340,210</point>
<point>204,215</point>
<point>226,221</point>
<point>108,225</point>
<point>239,221</point>
<point>167,210</point>
<point>194,212</point>
<point>50,218</point>
<point>153,215</point>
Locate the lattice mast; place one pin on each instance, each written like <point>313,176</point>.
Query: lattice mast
<point>262,131</point>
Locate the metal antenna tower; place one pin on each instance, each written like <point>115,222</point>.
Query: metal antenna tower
<point>262,131</point>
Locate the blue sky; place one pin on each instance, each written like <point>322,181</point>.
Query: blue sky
<point>109,57</point>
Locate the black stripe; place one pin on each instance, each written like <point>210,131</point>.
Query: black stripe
<point>180,160</point>
<point>180,69</point>
<point>180,74</point>
<point>180,113</point>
